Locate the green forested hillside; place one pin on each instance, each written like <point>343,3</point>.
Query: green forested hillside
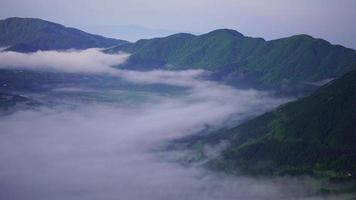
<point>313,135</point>
<point>285,62</point>
<point>28,34</point>
<point>215,50</point>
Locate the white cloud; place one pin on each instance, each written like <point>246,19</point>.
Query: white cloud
<point>180,78</point>
<point>104,151</point>
<point>93,61</point>
<point>72,61</point>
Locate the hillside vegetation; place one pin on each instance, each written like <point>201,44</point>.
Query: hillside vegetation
<point>286,62</point>
<point>313,135</point>
<point>29,34</point>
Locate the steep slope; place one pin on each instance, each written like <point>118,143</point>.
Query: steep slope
<point>313,135</point>
<point>281,63</point>
<point>215,50</point>
<point>300,58</point>
<point>28,34</point>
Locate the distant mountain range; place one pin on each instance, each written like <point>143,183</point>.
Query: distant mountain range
<point>28,35</point>
<point>288,62</point>
<point>313,135</point>
<point>295,63</point>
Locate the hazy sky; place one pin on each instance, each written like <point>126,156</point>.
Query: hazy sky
<point>333,20</point>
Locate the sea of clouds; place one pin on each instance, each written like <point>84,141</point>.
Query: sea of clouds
<point>102,151</point>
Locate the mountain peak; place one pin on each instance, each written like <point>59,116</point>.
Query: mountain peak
<point>31,34</point>
<point>21,18</point>
<point>28,20</point>
<point>181,35</point>
<point>302,36</point>
<point>226,31</point>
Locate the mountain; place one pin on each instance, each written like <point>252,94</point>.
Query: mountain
<point>313,135</point>
<point>295,63</point>
<point>282,63</point>
<point>29,34</point>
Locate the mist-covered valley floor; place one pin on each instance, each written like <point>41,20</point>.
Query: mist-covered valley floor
<point>98,134</point>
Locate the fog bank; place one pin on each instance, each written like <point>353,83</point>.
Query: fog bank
<point>107,151</point>
<point>73,61</point>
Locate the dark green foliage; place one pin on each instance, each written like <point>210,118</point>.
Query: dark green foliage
<point>312,135</point>
<point>28,34</point>
<point>286,62</point>
<point>214,50</point>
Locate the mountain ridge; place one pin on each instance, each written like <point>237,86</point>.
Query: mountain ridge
<point>281,63</point>
<point>312,135</point>
<point>287,64</point>
<point>37,34</point>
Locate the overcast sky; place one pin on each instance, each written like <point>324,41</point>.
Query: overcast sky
<point>333,20</point>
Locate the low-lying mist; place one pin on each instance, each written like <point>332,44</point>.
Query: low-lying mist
<point>72,61</point>
<point>107,151</point>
